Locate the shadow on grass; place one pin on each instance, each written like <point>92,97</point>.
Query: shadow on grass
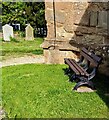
<point>101,83</point>
<point>14,40</point>
<point>37,52</point>
<point>69,74</point>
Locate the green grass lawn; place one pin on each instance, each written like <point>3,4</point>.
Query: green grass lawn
<point>43,91</point>
<point>17,48</point>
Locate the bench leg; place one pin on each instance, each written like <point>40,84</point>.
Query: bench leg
<point>81,83</point>
<point>73,77</point>
<point>68,70</point>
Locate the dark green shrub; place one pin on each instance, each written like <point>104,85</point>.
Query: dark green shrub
<point>21,34</point>
<point>13,39</point>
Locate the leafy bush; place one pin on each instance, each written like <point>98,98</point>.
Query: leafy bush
<point>1,39</point>
<point>13,39</point>
<point>21,34</point>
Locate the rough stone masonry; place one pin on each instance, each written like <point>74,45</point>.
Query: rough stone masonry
<point>71,25</point>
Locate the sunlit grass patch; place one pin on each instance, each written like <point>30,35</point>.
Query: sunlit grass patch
<point>43,91</point>
<point>17,48</point>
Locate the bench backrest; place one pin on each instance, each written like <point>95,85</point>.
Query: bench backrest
<point>91,57</point>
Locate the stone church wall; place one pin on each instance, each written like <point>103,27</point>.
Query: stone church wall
<point>71,25</point>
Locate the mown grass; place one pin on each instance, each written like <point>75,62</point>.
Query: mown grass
<point>17,48</point>
<point>43,91</point>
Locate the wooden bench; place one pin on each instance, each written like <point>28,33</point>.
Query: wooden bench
<point>85,69</point>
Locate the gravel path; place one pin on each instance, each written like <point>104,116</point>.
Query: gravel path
<point>22,60</point>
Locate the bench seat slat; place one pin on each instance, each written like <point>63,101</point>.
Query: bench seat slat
<point>72,66</point>
<point>85,73</point>
<point>77,66</point>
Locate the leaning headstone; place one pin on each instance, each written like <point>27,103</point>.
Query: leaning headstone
<point>7,32</point>
<point>29,33</point>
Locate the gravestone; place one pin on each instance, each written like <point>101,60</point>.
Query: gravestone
<point>29,33</point>
<point>7,32</point>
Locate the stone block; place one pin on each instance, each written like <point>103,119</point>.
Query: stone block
<point>103,5</point>
<point>51,56</point>
<point>95,6</point>
<point>63,6</point>
<point>69,21</point>
<point>92,39</point>
<point>49,15</point>
<point>50,30</point>
<point>48,5</point>
<point>60,16</point>
<point>57,56</point>
<point>108,5</point>
<point>84,29</point>
<point>68,27</point>
<point>59,24</point>
<point>60,32</point>
<point>80,5</point>
<point>81,17</point>
<point>85,18</point>
<point>102,19</point>
<point>78,39</point>
<point>89,30</point>
<point>108,21</point>
<point>93,18</point>
<point>87,40</point>
<point>67,54</point>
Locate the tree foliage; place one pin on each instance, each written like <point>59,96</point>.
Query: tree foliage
<point>23,13</point>
<point>35,12</point>
<point>13,12</point>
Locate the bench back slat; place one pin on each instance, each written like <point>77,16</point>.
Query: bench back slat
<point>82,71</point>
<point>94,59</point>
<point>77,67</point>
<point>72,66</point>
<point>89,59</point>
